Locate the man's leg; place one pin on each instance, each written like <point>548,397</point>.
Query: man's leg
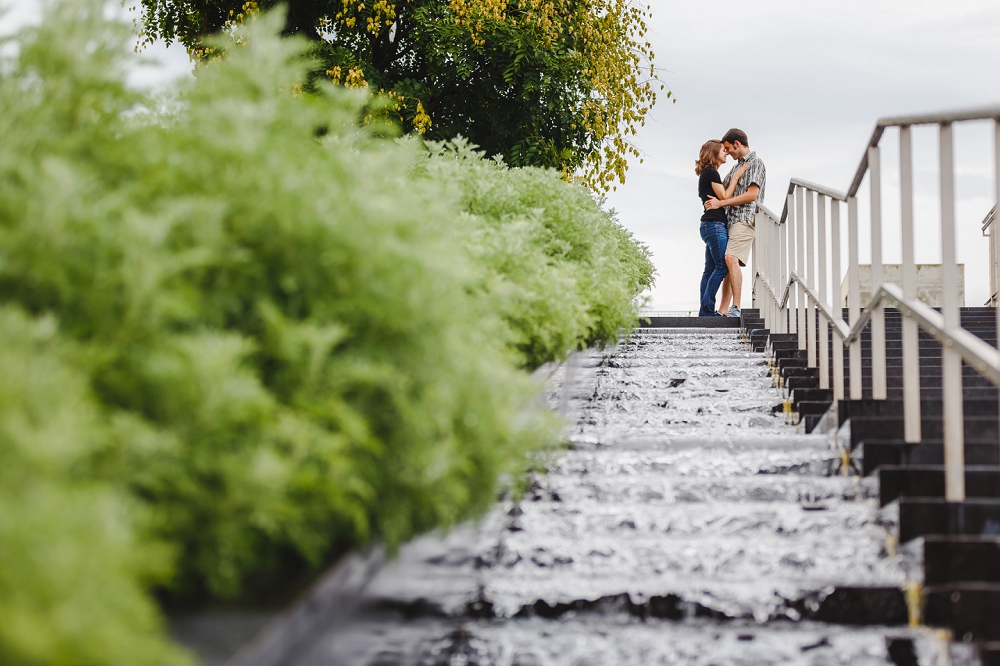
<point>735,277</point>
<point>727,294</point>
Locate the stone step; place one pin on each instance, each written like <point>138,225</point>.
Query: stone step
<point>923,516</point>
<point>970,610</point>
<point>929,406</point>
<point>895,481</point>
<point>652,487</point>
<point>614,638</point>
<point>873,454</point>
<point>685,457</point>
<point>955,559</point>
<point>931,428</point>
<point>689,322</point>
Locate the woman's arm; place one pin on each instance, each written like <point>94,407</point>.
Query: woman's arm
<point>726,193</point>
<point>747,197</point>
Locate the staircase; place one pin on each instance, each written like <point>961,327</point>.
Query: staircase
<point>685,523</point>
<point>958,543</point>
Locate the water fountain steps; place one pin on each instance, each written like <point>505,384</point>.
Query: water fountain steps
<point>685,524</point>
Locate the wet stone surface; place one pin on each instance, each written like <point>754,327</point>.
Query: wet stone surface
<point>685,524</point>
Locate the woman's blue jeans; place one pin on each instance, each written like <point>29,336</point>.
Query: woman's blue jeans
<point>716,237</point>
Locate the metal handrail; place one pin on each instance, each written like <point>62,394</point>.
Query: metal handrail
<point>989,219</point>
<point>976,353</point>
<point>948,117</point>
<point>790,254</point>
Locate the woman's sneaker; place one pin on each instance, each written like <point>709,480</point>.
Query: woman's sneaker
<point>733,312</point>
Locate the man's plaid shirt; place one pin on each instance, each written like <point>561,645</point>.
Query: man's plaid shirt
<point>755,174</point>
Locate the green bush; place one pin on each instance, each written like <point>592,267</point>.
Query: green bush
<point>73,574</point>
<point>563,273</point>
<point>282,328</point>
<point>279,336</point>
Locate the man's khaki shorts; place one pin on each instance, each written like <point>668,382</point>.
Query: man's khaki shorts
<point>740,241</point>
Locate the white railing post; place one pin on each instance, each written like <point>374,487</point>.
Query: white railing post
<point>951,361</point>
<point>809,275</point>
<point>782,275</point>
<point>838,344</point>
<point>878,315</point>
<point>911,344</point>
<point>823,343</point>
<point>773,273</point>
<point>793,318</point>
<point>854,294</point>
<point>995,231</point>
<point>800,267</point>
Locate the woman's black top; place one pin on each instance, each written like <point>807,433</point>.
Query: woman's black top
<point>709,176</point>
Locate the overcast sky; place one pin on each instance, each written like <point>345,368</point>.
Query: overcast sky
<point>806,81</point>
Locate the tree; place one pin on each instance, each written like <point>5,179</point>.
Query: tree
<point>554,83</point>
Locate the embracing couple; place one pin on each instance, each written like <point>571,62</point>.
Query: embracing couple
<point>727,226</point>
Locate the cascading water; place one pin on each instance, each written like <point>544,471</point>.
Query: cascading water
<point>685,524</point>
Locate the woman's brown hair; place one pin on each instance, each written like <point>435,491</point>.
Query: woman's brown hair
<point>708,157</point>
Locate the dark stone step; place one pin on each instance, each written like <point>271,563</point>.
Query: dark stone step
<point>780,355</point>
<point>888,427</point>
<point>897,481</point>
<point>970,610</point>
<point>822,395</point>
<point>923,516</point>
<point>925,360</point>
<point>812,407</point>
<point>854,606</point>
<point>958,559</point>
<point>804,382</point>
<point>689,322</point>
<point>929,406</point>
<point>930,392</point>
<point>928,382</point>
<point>875,453</point>
<point>793,363</point>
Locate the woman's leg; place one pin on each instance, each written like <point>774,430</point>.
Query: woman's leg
<point>705,275</point>
<point>715,236</point>
<point>718,246</point>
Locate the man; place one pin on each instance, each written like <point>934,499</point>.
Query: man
<point>740,214</point>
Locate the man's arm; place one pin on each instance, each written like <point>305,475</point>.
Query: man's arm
<point>747,197</point>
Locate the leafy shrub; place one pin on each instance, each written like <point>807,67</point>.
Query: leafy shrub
<point>71,584</point>
<point>279,337</point>
<point>286,323</point>
<point>563,273</point>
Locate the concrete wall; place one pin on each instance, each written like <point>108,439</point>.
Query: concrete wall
<point>928,283</point>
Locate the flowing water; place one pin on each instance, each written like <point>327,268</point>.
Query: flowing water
<point>684,524</point>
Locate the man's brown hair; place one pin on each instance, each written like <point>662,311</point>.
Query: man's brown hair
<point>708,156</point>
<point>734,135</point>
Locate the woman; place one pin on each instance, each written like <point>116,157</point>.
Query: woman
<point>713,222</point>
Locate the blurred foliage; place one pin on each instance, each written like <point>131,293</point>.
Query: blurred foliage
<point>247,335</point>
<point>551,83</point>
<point>72,582</point>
